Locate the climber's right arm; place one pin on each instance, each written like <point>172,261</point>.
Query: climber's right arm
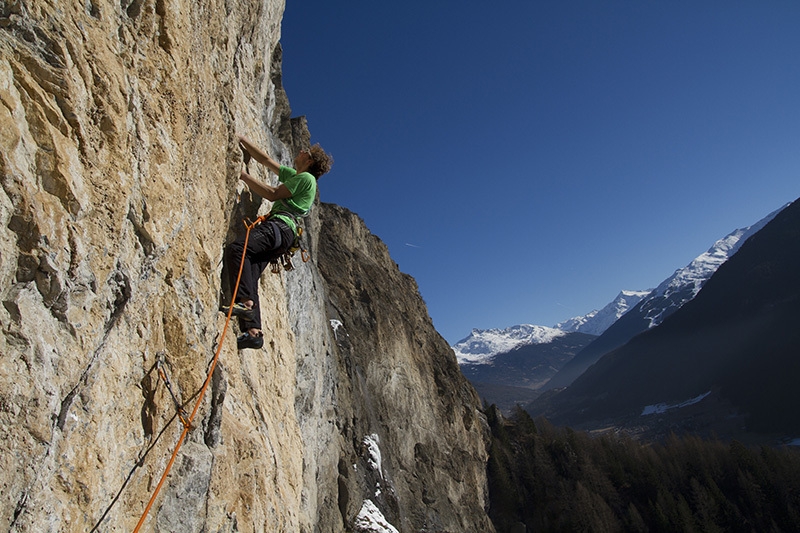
<point>265,191</point>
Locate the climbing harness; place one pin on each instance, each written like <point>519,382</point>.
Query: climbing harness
<point>285,259</point>
<point>187,421</point>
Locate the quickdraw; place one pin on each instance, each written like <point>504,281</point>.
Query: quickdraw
<point>161,366</point>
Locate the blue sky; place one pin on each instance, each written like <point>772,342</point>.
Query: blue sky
<point>525,161</point>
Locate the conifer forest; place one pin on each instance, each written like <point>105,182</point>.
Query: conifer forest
<point>544,478</point>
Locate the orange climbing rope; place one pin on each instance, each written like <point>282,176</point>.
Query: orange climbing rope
<point>187,422</point>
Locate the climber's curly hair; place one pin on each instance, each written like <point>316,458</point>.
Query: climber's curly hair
<point>322,162</point>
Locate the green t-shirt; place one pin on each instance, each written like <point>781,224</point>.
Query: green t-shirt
<point>303,187</point>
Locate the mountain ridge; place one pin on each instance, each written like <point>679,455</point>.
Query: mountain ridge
<point>727,354</point>
<point>668,297</point>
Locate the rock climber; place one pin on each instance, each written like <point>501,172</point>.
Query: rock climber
<point>292,199</point>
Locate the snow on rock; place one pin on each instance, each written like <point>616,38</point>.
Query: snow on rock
<point>335,325</point>
<point>371,444</point>
<point>371,520</point>
<point>483,344</point>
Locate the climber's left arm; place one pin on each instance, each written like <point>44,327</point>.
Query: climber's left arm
<point>258,154</point>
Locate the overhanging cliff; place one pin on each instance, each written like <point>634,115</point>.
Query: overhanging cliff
<point>119,191</point>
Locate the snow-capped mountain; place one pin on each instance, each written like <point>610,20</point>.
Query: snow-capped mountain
<point>650,308</point>
<point>664,300</point>
<point>481,345</point>
<point>596,322</point>
<point>686,282</point>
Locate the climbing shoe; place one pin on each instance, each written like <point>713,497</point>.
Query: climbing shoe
<point>245,340</point>
<point>240,310</point>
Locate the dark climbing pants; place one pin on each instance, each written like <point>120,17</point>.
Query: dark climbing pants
<point>268,241</point>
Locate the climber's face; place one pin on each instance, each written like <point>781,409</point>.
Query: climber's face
<point>303,161</point>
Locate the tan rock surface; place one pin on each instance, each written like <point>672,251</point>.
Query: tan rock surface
<point>119,191</point>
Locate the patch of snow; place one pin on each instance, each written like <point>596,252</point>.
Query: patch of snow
<point>371,520</point>
<point>660,408</point>
<point>336,324</point>
<point>371,443</point>
<point>795,442</point>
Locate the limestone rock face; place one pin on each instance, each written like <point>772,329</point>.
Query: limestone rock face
<point>120,189</point>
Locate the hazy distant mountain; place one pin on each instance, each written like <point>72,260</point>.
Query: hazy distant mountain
<point>528,365</point>
<point>729,357</point>
<point>664,300</point>
<point>543,358</point>
<point>508,365</point>
<point>481,345</point>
